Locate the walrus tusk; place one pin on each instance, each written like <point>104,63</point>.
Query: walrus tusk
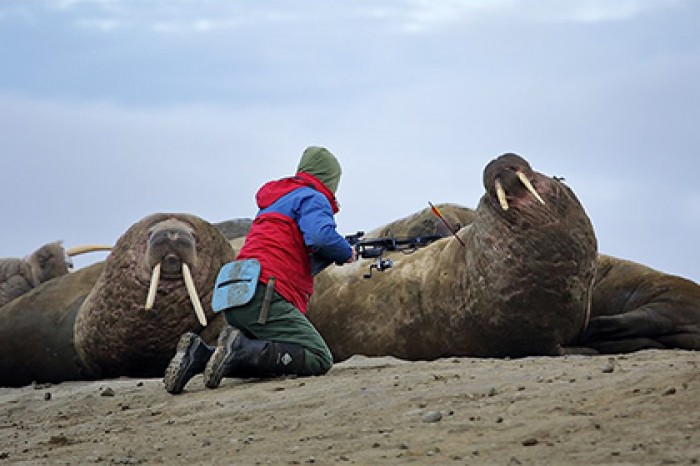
<point>77,250</point>
<point>528,185</point>
<point>155,277</point>
<point>501,194</point>
<point>192,291</point>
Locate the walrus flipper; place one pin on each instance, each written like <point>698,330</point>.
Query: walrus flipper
<point>634,331</point>
<point>636,307</point>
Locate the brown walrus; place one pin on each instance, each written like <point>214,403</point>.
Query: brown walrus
<point>17,276</point>
<point>521,286</point>
<point>94,323</point>
<point>633,306</point>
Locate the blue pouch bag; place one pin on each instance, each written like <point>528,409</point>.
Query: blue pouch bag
<point>235,284</point>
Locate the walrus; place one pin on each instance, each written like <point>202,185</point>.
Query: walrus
<point>95,323</point>
<point>519,286</point>
<point>17,276</point>
<point>633,306</point>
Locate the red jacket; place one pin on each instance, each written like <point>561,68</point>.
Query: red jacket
<point>295,219</point>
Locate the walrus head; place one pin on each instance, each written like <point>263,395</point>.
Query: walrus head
<point>52,260</point>
<point>171,253</point>
<point>158,270</point>
<point>510,175</point>
<point>533,251</point>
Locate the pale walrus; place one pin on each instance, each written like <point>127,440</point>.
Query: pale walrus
<point>520,285</point>
<point>94,322</point>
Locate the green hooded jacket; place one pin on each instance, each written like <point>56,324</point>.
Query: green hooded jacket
<point>321,163</point>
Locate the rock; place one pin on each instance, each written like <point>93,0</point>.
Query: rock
<point>432,416</point>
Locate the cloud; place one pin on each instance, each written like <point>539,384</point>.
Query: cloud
<point>206,16</point>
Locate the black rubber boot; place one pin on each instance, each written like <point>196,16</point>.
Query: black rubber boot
<point>189,360</point>
<point>239,356</point>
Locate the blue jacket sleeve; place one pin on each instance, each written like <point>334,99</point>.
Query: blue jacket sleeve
<point>318,227</point>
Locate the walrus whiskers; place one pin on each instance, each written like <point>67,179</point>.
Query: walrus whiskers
<point>155,278</point>
<point>192,291</point>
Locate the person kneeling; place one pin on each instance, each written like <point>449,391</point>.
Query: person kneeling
<point>293,237</point>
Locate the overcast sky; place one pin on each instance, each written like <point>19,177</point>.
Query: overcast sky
<point>115,109</point>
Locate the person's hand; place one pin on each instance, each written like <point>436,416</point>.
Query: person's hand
<point>353,257</point>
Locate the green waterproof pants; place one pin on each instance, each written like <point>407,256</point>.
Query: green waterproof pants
<point>285,323</point>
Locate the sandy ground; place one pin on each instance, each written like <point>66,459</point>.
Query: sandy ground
<point>641,408</point>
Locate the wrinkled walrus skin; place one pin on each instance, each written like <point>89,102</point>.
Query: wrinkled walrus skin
<point>92,323</point>
<point>520,287</point>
